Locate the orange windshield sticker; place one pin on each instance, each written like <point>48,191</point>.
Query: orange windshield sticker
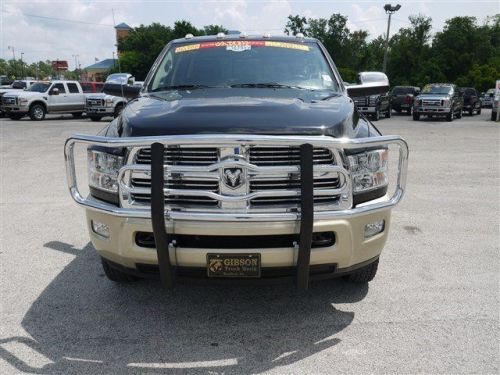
<point>240,45</point>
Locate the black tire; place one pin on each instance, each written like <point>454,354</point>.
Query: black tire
<point>471,111</point>
<point>37,112</point>
<point>493,116</point>
<point>77,114</point>
<point>363,275</point>
<point>388,114</point>
<point>408,111</point>
<point>416,116</point>
<point>460,113</point>
<point>376,115</point>
<point>450,116</point>
<point>118,110</point>
<point>478,111</point>
<point>15,116</point>
<point>95,118</point>
<point>115,275</point>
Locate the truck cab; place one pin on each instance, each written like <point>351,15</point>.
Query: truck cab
<point>45,97</point>
<point>99,105</point>
<point>240,159</point>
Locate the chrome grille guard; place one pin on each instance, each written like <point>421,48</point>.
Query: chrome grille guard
<point>221,140</point>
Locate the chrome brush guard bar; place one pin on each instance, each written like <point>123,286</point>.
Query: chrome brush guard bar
<point>337,145</point>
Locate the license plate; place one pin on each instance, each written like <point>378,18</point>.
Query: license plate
<point>233,265</point>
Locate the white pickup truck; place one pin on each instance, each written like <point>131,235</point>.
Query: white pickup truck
<point>99,105</point>
<point>45,97</point>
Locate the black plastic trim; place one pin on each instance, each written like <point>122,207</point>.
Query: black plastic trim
<point>306,215</point>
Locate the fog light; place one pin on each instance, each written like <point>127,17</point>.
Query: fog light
<point>374,228</point>
<point>100,228</point>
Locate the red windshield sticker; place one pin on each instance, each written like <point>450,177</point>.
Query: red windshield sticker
<point>241,45</point>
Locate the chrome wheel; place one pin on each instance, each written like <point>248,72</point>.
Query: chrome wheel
<point>38,113</point>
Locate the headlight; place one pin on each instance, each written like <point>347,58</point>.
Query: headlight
<point>368,170</point>
<point>103,170</point>
<point>446,102</point>
<point>109,102</point>
<point>23,101</point>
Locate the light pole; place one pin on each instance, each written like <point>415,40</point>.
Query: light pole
<point>11,48</point>
<point>390,10</point>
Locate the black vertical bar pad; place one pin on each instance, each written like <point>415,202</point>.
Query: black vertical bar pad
<point>306,215</point>
<point>158,214</point>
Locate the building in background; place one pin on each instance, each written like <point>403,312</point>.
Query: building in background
<point>97,72</point>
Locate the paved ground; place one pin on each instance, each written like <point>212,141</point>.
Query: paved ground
<point>433,308</point>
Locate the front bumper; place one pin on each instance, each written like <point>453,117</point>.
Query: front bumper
<point>347,223</point>
<point>367,109</point>
<point>102,111</point>
<point>15,108</point>
<point>431,110</point>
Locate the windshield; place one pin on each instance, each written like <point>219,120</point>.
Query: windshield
<point>39,87</point>
<point>431,89</point>
<point>247,64</point>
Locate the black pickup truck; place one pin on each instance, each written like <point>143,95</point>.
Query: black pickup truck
<point>241,158</point>
<point>472,100</point>
<point>402,98</point>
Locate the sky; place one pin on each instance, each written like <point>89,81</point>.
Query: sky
<point>82,30</point>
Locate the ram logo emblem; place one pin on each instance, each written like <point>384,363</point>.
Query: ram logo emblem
<point>233,177</point>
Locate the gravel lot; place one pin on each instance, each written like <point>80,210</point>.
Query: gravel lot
<point>433,307</point>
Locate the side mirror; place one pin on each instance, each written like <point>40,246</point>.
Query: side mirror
<point>54,91</point>
<point>126,91</point>
<point>371,83</point>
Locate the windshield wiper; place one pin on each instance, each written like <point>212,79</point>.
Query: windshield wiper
<point>334,95</point>
<point>273,85</point>
<point>182,87</point>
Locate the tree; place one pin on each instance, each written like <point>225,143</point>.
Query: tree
<point>296,24</point>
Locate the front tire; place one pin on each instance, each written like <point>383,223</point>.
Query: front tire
<point>460,113</point>
<point>37,112</point>
<point>376,115</point>
<point>416,116</point>
<point>77,115</point>
<point>450,116</point>
<point>388,114</point>
<point>363,275</point>
<point>115,275</point>
<point>493,116</point>
<point>15,117</point>
<point>478,111</point>
<point>95,118</point>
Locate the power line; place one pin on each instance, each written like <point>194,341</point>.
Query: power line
<point>62,19</point>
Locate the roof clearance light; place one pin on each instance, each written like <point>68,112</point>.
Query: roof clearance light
<point>189,36</point>
<point>267,35</point>
<point>299,35</point>
<point>243,35</point>
<point>220,35</point>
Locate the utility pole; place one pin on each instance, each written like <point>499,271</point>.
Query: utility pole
<point>390,10</point>
<point>22,66</point>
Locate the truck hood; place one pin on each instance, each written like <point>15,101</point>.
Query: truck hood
<point>97,95</point>
<point>26,94</point>
<point>434,97</point>
<point>210,113</point>
<point>8,91</point>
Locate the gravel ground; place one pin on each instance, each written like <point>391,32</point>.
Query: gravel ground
<point>433,307</point>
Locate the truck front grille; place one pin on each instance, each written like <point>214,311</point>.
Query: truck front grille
<point>95,102</point>
<point>267,178</point>
<point>361,101</point>
<point>9,100</point>
<point>432,102</point>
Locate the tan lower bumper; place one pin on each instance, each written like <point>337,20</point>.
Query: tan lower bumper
<point>350,247</point>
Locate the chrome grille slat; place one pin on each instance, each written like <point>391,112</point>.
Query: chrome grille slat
<point>193,178</point>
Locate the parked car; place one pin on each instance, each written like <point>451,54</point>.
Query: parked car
<point>472,100</point>
<point>495,107</point>
<point>373,105</point>
<point>439,100</point>
<point>45,97</point>
<point>402,98</point>
<point>15,86</point>
<point>100,105</point>
<point>92,87</point>
<point>489,96</point>
<point>231,146</point>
